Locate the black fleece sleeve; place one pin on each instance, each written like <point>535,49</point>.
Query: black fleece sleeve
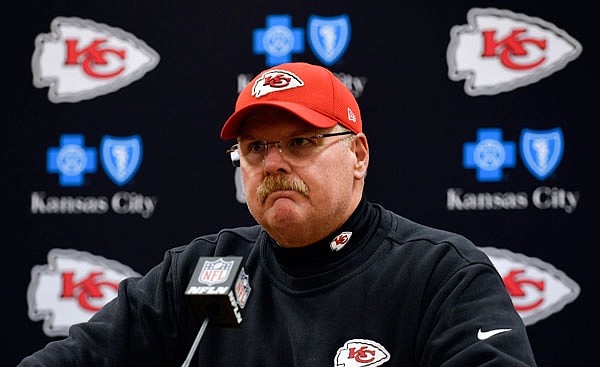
<point>471,321</point>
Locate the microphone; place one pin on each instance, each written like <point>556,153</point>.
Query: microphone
<point>218,290</point>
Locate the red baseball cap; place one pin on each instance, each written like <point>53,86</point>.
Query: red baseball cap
<point>310,92</point>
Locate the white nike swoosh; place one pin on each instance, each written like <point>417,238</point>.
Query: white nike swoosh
<point>483,335</point>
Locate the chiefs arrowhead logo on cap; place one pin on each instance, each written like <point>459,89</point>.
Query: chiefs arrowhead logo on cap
<point>275,81</point>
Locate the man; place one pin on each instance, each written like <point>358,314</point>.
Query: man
<point>335,280</point>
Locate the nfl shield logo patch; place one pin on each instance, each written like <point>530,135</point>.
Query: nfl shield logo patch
<point>215,272</point>
<point>242,288</point>
<point>329,37</point>
<point>541,151</point>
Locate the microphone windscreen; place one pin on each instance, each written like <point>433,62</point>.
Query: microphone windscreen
<point>219,289</point>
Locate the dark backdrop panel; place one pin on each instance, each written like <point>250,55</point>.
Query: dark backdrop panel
<point>415,117</point>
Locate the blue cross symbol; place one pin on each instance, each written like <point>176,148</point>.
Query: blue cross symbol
<point>71,160</point>
<point>278,40</point>
<point>489,155</point>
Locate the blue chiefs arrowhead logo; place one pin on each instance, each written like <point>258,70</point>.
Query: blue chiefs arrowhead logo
<point>121,157</point>
<point>541,150</point>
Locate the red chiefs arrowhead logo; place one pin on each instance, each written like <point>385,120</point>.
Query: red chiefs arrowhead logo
<point>536,288</point>
<point>81,59</point>
<point>71,288</point>
<point>275,81</point>
<point>361,353</point>
<point>499,51</point>
<point>340,241</point>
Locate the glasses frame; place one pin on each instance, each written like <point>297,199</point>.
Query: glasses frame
<point>234,150</point>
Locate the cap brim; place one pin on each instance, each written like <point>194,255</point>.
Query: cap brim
<point>231,127</point>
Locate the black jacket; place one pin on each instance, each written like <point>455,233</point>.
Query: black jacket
<point>402,294</point>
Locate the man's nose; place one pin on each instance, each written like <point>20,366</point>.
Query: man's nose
<point>274,159</point>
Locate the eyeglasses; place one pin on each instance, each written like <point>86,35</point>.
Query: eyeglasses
<point>294,148</point>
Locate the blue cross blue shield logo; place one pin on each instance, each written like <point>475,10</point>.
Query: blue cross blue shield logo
<point>71,160</point>
<point>328,37</point>
<point>278,40</point>
<point>541,150</point>
<point>489,155</point>
<point>121,157</point>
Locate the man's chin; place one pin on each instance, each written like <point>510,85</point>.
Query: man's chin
<point>282,211</point>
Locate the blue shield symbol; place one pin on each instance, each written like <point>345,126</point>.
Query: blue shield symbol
<point>541,150</point>
<point>121,157</point>
<point>328,37</point>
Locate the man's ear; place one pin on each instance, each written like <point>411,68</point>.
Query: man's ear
<point>361,151</point>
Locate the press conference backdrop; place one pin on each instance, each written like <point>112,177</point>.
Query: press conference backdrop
<point>479,117</point>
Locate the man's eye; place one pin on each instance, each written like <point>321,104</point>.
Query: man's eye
<point>300,142</point>
<point>256,146</point>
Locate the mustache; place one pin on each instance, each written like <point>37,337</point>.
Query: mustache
<point>279,183</point>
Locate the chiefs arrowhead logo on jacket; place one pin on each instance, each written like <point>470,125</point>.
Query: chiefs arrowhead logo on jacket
<point>361,353</point>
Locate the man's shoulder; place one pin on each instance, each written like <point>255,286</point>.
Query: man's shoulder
<point>236,234</point>
<point>236,241</point>
<point>406,232</point>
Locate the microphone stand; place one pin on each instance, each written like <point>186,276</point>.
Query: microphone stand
<point>190,355</point>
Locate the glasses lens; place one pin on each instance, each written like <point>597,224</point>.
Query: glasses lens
<point>253,151</point>
<point>294,149</point>
<point>299,147</point>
